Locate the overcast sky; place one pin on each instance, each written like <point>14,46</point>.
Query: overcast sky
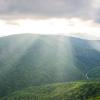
<point>84,10</point>
<point>88,9</point>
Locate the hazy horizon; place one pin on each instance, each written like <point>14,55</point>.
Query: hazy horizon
<point>64,17</point>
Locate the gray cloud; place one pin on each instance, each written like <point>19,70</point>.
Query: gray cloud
<point>50,8</point>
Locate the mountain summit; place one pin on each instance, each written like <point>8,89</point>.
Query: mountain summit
<point>27,60</point>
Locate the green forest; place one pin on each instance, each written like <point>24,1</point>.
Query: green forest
<point>46,67</point>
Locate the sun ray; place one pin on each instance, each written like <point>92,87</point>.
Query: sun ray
<point>15,52</point>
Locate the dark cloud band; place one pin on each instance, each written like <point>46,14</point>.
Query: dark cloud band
<point>49,8</point>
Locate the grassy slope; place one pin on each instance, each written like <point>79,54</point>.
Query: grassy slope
<point>60,91</point>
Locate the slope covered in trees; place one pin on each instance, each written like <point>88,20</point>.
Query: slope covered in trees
<point>62,91</point>
<point>27,60</point>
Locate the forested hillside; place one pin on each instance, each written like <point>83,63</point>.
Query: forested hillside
<point>62,91</point>
<point>27,60</point>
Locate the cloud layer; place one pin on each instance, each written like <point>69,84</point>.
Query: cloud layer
<point>88,9</point>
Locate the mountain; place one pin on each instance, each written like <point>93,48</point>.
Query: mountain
<point>61,91</point>
<point>27,60</point>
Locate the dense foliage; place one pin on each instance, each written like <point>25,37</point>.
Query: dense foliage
<point>27,60</point>
<point>62,91</point>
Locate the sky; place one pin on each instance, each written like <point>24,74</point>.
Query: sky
<point>63,17</point>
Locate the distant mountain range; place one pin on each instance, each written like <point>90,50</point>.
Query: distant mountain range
<point>28,59</point>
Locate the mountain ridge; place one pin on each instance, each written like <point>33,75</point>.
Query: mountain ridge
<point>27,60</point>
<point>71,36</point>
